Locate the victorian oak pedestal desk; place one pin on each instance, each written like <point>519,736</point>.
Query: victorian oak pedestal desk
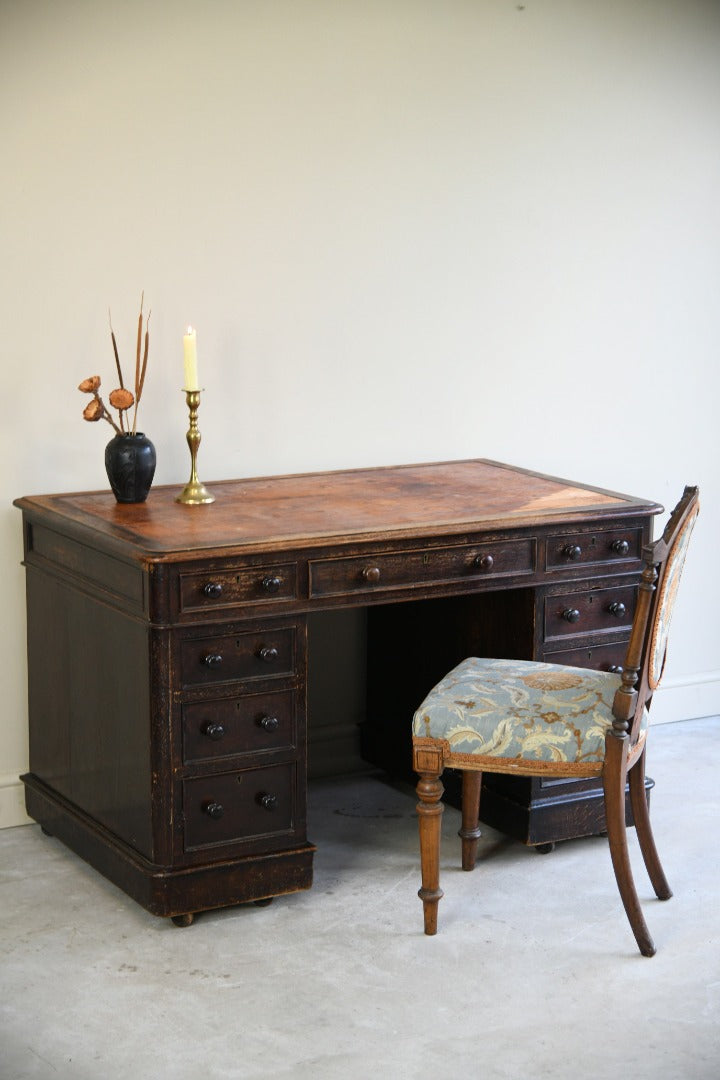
<point>168,659</point>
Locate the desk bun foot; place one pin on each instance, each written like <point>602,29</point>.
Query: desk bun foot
<point>184,920</point>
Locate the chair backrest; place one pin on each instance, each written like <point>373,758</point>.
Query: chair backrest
<point>645,659</point>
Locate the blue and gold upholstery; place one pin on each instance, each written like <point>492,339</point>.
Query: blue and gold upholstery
<point>520,716</point>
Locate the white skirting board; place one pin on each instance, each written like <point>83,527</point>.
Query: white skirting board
<point>12,802</point>
<point>685,698</point>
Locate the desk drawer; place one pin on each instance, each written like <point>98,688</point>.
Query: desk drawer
<point>240,806</point>
<point>260,654</point>
<point>606,657</point>
<point>252,724</point>
<point>210,589</point>
<point>403,569</point>
<point>604,546</point>
<point>589,611</point>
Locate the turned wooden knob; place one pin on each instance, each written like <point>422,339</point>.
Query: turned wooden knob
<point>271,583</point>
<point>213,589</point>
<point>618,609</point>
<point>268,653</point>
<point>572,551</point>
<point>616,669</point>
<point>212,660</point>
<point>620,547</point>
<point>269,723</point>
<point>371,574</point>
<point>214,730</point>
<point>571,614</point>
<point>268,802</point>
<point>213,809</point>
<point>484,562</point>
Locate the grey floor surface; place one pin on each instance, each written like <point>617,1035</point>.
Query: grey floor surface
<point>534,972</point>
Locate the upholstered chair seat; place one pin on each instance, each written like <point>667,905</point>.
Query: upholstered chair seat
<point>511,715</point>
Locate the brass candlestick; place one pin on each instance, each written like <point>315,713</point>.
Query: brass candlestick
<point>194,493</point>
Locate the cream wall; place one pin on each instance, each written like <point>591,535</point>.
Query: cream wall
<point>406,230</point>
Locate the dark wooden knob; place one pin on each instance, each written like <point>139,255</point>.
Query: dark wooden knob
<point>268,802</point>
<point>571,614</point>
<point>616,669</point>
<point>213,730</point>
<point>213,588</point>
<point>618,609</point>
<point>212,660</point>
<point>269,723</point>
<point>213,809</point>
<point>572,551</point>
<point>271,583</point>
<point>484,562</point>
<point>371,574</point>
<point>620,547</point>
<point>268,653</point>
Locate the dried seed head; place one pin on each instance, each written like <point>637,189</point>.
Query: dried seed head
<point>94,410</point>
<point>121,399</point>
<point>89,386</point>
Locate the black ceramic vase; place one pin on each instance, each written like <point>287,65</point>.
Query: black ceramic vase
<point>130,464</point>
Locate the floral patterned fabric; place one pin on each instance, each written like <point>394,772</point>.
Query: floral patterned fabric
<point>521,712</point>
<point>666,601</point>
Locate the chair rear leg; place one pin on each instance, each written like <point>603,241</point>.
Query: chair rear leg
<point>643,828</point>
<point>470,832</point>
<point>614,777</point>
<point>430,810</point>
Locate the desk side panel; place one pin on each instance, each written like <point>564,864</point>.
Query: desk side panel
<point>89,704</point>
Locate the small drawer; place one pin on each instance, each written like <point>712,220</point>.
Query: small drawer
<point>605,546</point>
<point>609,656</point>
<point>255,655</point>
<point>209,590</point>
<point>403,569</point>
<point>213,730</point>
<point>589,611</point>
<point>240,806</point>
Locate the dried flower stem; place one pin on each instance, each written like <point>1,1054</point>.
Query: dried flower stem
<point>106,415</point>
<point>117,362</point>
<point>140,381</point>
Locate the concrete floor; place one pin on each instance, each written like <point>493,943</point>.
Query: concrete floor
<point>534,972</point>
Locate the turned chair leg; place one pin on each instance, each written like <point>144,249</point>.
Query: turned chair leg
<point>614,778</point>
<point>430,809</point>
<point>470,832</point>
<point>643,828</point>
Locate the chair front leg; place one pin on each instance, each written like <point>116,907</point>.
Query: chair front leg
<point>430,810</point>
<point>614,778</point>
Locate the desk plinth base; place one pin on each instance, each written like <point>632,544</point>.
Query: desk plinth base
<point>540,812</point>
<point>161,890</point>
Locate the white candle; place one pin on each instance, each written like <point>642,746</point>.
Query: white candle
<point>190,357</point>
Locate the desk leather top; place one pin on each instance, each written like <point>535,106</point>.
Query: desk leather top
<point>270,512</point>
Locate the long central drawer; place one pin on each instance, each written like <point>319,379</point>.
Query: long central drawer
<point>403,569</point>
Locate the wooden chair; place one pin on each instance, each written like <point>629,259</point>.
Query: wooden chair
<point>536,719</point>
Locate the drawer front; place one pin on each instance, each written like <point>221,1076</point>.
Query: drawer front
<point>606,657</point>
<point>403,569</point>
<point>209,590</point>
<point>255,655</point>
<point>583,548</point>
<point>589,611</point>
<point>240,806</point>
<point>251,724</point>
